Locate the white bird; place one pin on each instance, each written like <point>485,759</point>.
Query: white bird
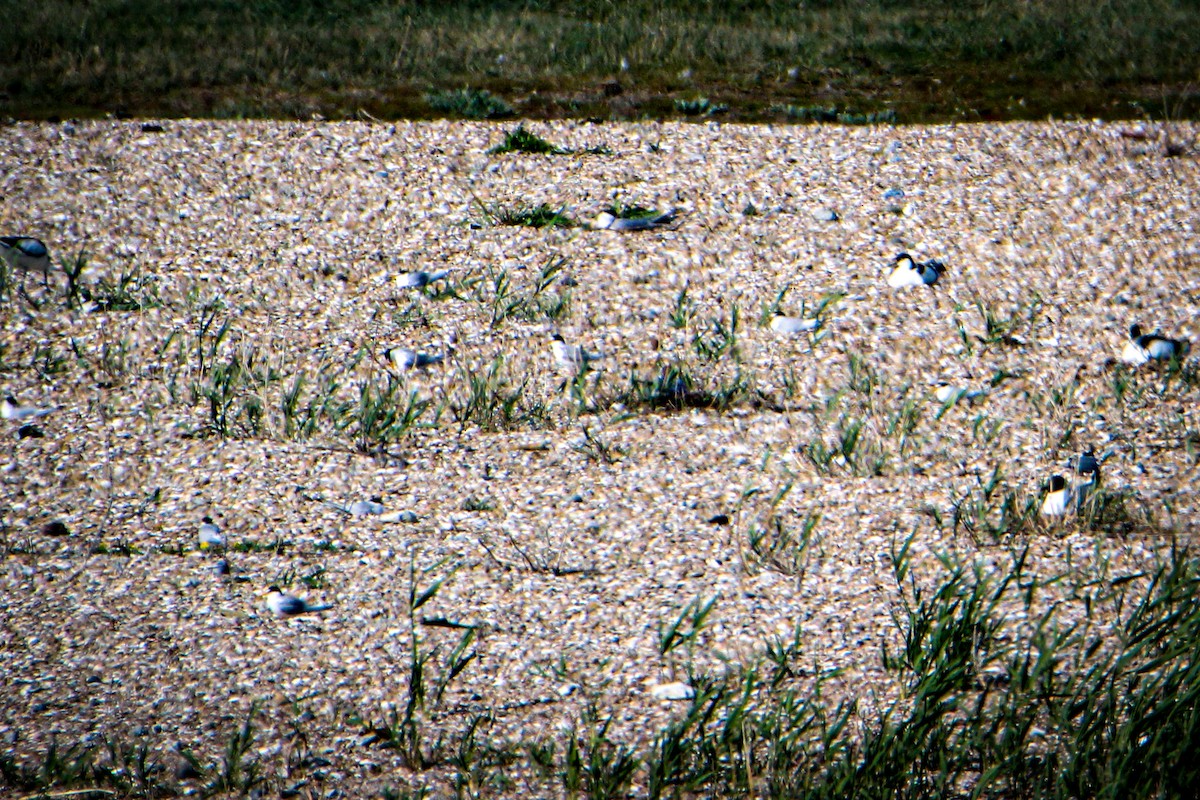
<point>360,508</point>
<point>570,358</point>
<point>785,325</point>
<point>948,392</point>
<point>419,279</point>
<point>405,359</point>
<point>1059,499</point>
<point>1141,348</point>
<point>210,534</point>
<point>909,272</point>
<point>605,221</point>
<point>288,605</point>
<point>13,410</point>
<point>25,253</point>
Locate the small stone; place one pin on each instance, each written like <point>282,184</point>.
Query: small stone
<point>672,691</point>
<point>30,432</point>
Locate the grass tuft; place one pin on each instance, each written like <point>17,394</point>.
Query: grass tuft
<point>469,103</point>
<point>522,140</point>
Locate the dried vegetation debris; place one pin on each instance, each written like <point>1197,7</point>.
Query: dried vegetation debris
<point>228,359</point>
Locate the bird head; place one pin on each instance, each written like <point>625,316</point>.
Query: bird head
<point>603,220</point>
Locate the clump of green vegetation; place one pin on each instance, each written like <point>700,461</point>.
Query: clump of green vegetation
<point>808,113</point>
<point>831,114</point>
<point>674,388</point>
<point>469,103</point>
<point>621,211</point>
<point>539,216</point>
<point>887,117</point>
<point>701,106</point>
<point>522,140</point>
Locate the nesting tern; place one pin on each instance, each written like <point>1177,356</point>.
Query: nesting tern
<point>1058,500</point>
<point>419,279</point>
<point>950,393</point>
<point>11,409</point>
<point>606,221</point>
<point>571,359</point>
<point>210,534</point>
<point>282,604</point>
<point>404,359</point>
<point>909,272</point>
<point>789,326</point>
<point>1144,347</point>
<point>360,508</point>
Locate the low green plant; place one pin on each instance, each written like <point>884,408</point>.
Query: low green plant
<point>807,113</point>
<point>991,512</point>
<point>131,291</point>
<point>720,339</point>
<point>237,773</point>
<point>505,302</point>
<point>887,117</point>
<point>408,730</point>
<point>539,216</point>
<point>686,627</point>
<point>385,414</point>
<point>594,766</point>
<point>700,106</point>
<point>469,103</point>
<point>489,398</point>
<point>597,449</point>
<point>673,388</point>
<point>522,140</point>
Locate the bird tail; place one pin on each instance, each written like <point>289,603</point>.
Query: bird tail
<point>336,507</point>
<point>325,607</point>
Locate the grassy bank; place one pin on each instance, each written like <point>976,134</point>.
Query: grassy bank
<point>751,60</point>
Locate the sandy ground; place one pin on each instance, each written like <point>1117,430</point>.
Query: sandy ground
<point>571,531</point>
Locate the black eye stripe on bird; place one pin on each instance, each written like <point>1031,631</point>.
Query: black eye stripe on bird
<point>1144,347</point>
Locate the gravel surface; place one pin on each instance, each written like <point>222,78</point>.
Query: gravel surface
<point>571,532</point>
